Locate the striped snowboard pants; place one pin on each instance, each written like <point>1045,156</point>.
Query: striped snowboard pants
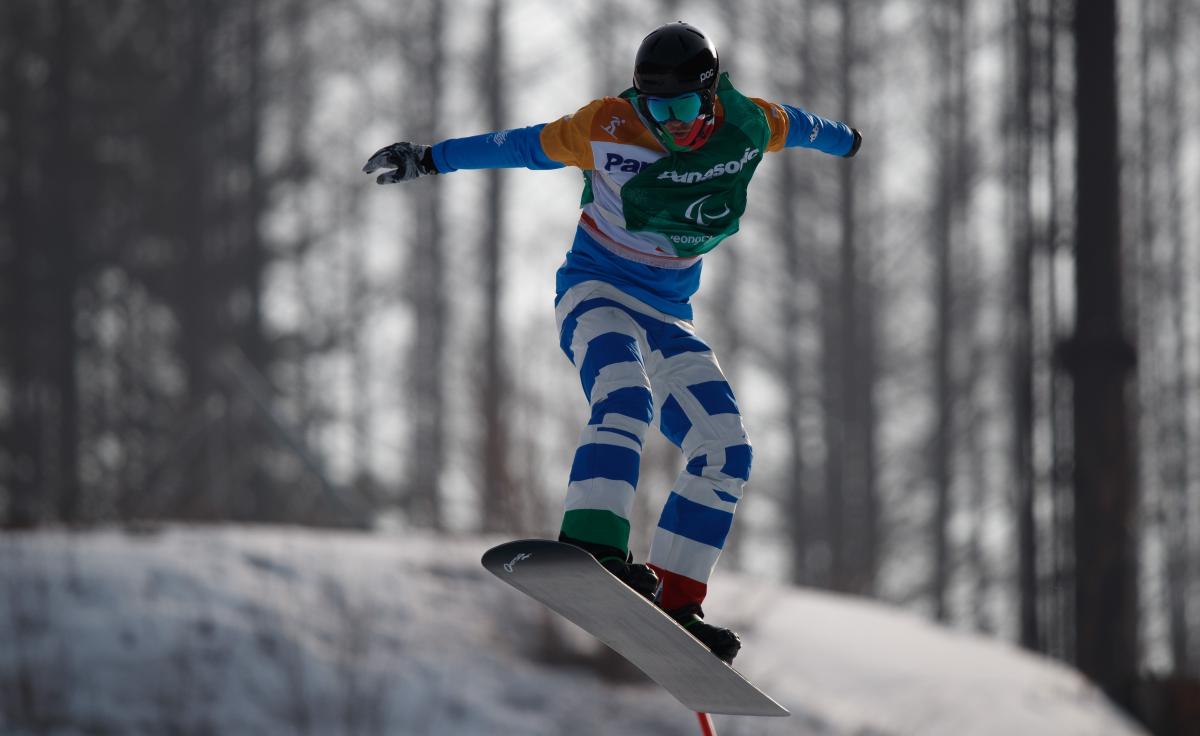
<point>636,363</point>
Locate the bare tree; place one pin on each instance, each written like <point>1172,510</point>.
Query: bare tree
<point>499,493</point>
<point>945,22</point>
<point>298,352</point>
<point>955,292</point>
<point>1055,633</point>
<point>1149,283</point>
<point>191,204</point>
<point>851,506</point>
<point>21,429</point>
<point>1101,361</point>
<point>64,241</point>
<point>796,240</point>
<point>426,284</point>
<point>1177,470</point>
<point>1021,328</point>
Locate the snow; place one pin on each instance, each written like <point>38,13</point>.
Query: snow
<point>237,630</point>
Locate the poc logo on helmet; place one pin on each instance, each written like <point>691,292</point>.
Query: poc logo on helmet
<point>706,75</point>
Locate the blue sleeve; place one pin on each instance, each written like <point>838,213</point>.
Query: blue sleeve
<point>505,149</point>
<point>806,130</point>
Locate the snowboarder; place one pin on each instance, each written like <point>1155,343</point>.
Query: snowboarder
<point>666,165</point>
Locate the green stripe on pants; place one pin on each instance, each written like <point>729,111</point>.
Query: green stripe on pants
<point>597,527</point>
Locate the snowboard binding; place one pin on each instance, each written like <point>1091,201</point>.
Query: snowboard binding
<point>725,643</point>
<point>636,575</point>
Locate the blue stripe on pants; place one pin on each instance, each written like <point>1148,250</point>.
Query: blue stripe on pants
<point>715,396</point>
<point>634,402</point>
<point>606,461</point>
<point>737,461</point>
<point>695,521</point>
<point>673,421</point>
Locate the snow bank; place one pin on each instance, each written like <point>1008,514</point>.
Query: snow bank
<point>236,630</point>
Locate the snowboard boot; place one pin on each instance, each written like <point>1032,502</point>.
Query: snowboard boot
<point>724,643</point>
<point>641,578</point>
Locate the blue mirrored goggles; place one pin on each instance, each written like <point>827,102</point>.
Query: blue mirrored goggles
<point>685,108</point>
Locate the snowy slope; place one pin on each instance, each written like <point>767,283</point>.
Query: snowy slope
<point>241,630</point>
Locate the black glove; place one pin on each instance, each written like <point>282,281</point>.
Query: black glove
<point>857,142</point>
<point>409,160</point>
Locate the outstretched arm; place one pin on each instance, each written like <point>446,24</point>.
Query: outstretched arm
<point>792,127</point>
<point>520,147</point>
<point>806,130</point>
<point>516,148</point>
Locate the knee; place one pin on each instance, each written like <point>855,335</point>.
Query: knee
<point>738,459</point>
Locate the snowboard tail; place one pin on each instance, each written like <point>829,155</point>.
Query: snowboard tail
<point>573,584</point>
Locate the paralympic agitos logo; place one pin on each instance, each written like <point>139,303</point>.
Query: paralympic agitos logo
<point>729,167</point>
<point>695,212</point>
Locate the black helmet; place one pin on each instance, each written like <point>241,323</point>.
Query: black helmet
<point>674,59</point>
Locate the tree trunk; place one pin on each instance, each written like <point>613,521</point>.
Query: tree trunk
<point>1179,471</point>
<point>64,237</point>
<point>793,237</point>
<point>833,389</point>
<point>972,295</point>
<point>191,277</point>
<point>427,363</point>
<point>1021,330</point>
<point>1101,361</point>
<point>499,507</point>
<point>24,473</point>
<point>950,235</point>
<point>1150,287</point>
<point>253,338</point>
<point>942,447</point>
<point>1055,637</point>
<point>871,536</point>
<point>254,257</point>
<point>853,571</point>
<point>859,326</point>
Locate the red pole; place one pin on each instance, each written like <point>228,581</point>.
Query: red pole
<point>706,724</point>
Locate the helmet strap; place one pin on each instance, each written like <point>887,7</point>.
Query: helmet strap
<point>698,134</point>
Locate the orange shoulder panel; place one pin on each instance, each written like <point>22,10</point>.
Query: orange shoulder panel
<point>568,140</point>
<point>618,122</point>
<point>777,120</point>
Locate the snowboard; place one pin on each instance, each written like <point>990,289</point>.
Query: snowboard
<point>573,584</point>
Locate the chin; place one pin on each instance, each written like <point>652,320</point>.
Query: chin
<point>691,136</point>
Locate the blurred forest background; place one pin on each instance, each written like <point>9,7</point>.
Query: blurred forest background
<point>969,359</point>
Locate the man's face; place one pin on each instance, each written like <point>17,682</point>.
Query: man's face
<point>679,116</point>
<point>676,128</point>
